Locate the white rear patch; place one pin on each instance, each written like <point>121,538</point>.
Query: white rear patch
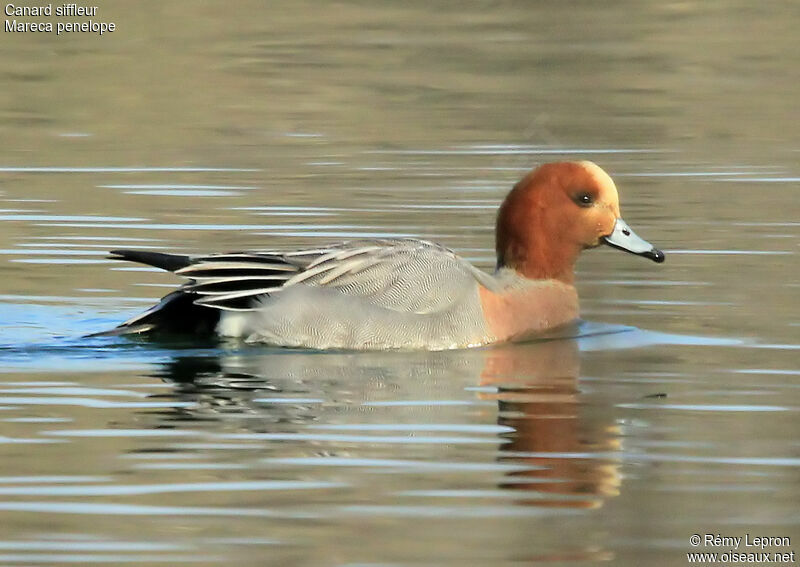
<point>232,324</point>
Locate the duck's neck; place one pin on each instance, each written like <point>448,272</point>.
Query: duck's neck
<point>536,253</point>
<point>538,264</point>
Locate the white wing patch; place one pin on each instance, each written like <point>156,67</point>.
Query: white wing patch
<point>339,263</point>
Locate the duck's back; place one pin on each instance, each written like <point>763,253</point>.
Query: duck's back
<point>399,293</point>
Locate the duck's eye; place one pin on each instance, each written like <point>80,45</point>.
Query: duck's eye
<point>584,199</point>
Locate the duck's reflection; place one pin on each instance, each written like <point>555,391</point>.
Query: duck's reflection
<point>554,439</point>
<point>538,397</point>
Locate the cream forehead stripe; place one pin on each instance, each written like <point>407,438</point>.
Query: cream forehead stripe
<point>602,178</point>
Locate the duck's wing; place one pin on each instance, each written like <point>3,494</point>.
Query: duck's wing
<point>179,313</point>
<point>405,275</point>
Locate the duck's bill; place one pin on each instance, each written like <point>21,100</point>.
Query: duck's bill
<point>624,238</point>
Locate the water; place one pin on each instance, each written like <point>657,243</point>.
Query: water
<point>217,127</point>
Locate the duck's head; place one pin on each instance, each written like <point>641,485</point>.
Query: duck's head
<point>556,211</point>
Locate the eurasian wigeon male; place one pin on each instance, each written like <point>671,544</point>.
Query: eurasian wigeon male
<point>404,293</point>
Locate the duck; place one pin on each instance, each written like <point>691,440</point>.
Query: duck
<point>403,293</point>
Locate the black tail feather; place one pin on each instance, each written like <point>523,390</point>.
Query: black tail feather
<point>168,262</point>
<point>175,314</point>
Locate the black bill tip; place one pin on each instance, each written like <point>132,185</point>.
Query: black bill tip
<point>655,255</point>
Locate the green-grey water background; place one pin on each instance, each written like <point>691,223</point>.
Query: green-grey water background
<point>214,126</point>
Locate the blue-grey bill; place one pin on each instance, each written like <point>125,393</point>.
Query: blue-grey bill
<point>624,238</point>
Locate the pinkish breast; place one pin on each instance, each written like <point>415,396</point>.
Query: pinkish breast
<point>518,311</point>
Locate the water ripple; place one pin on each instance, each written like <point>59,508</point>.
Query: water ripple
<point>402,465</point>
<point>140,489</point>
<point>123,169</point>
<point>117,509</point>
<point>92,403</point>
